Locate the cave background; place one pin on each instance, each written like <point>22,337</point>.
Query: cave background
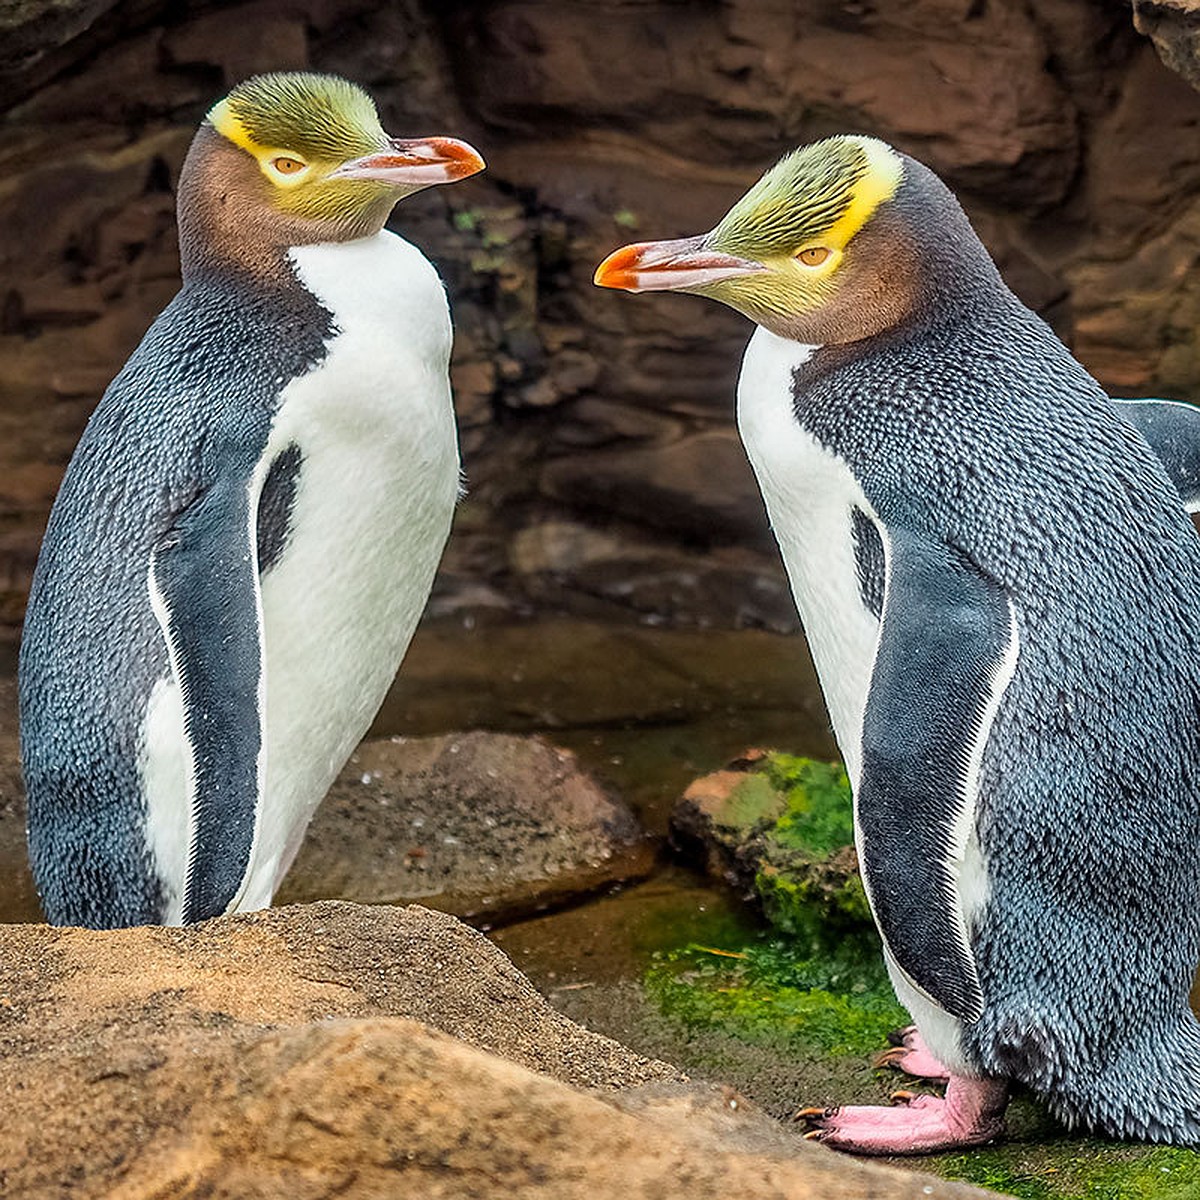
<point>605,476</point>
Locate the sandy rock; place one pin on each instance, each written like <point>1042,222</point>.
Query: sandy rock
<point>480,824</point>
<point>388,1109</point>
<point>280,1054</point>
<point>101,1027</point>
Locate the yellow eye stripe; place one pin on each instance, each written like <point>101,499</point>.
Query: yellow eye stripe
<point>222,118</point>
<point>878,183</point>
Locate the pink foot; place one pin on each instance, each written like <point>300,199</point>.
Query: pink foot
<point>971,1113</point>
<point>910,1055</point>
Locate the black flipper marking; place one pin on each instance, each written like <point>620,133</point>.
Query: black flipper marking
<point>868,561</point>
<point>1172,428</point>
<point>275,506</point>
<point>205,578</point>
<point>944,638</point>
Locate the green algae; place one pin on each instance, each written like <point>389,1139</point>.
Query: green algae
<point>818,979</point>
<point>818,816</point>
<point>753,804</point>
<point>806,878</point>
<point>1078,1169</point>
<point>778,990</point>
<point>800,905</point>
<point>767,993</point>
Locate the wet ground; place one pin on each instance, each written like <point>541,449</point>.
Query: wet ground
<point>678,966</point>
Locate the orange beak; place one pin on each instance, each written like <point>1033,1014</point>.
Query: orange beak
<point>679,266</point>
<point>416,163</point>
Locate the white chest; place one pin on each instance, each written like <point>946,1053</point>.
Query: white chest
<point>377,486</point>
<point>810,496</point>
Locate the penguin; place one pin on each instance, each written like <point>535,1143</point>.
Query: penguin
<point>1001,591</point>
<point>248,530</point>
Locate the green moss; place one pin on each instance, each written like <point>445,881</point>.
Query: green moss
<point>769,992</point>
<point>808,905</point>
<point>823,986</point>
<point>752,803</point>
<point>994,1169</point>
<point>1079,1169</point>
<point>1165,1173</point>
<point>819,815</point>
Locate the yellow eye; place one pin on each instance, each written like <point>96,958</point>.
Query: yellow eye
<point>287,166</point>
<point>814,256</point>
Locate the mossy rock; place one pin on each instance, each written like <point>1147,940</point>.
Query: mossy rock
<point>781,827</point>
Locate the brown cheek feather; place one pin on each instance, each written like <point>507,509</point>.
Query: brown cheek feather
<point>231,216</point>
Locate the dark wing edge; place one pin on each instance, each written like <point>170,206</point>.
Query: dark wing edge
<point>1172,429</point>
<point>204,589</point>
<point>947,650</point>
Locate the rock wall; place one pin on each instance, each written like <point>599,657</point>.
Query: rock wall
<point>605,474</point>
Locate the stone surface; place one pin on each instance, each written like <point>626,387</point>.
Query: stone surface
<point>779,828</point>
<point>1072,146</point>
<point>280,1054</point>
<point>1174,28</point>
<point>488,826</point>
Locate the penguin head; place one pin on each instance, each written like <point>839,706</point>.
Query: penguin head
<point>292,158</point>
<point>841,240</point>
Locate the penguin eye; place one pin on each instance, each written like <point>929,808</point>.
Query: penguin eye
<point>286,165</point>
<point>813,256</point>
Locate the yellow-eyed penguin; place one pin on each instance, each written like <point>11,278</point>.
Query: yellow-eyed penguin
<point>249,527</point>
<point>1001,592</point>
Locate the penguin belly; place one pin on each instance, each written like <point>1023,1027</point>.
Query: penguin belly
<point>368,450</point>
<point>820,514</point>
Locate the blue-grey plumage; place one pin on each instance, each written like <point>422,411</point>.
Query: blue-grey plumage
<point>175,435</point>
<point>249,526</point>
<point>1017,699</point>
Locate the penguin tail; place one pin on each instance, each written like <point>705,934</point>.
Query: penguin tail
<point>1148,1090</point>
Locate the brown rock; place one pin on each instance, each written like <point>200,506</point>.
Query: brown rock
<point>701,485</point>
<point>277,1054</point>
<point>484,825</point>
<point>30,29</point>
<point>1069,142</point>
<point>1174,28</point>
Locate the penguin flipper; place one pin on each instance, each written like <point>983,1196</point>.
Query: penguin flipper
<point>204,589</point>
<point>947,649</point>
<point>1172,428</point>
